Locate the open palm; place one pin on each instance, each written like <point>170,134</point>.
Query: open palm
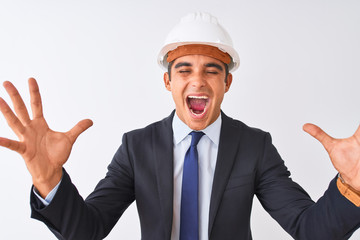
<point>344,153</point>
<point>44,150</point>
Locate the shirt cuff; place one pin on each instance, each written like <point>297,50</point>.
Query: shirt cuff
<point>49,197</point>
<point>347,191</point>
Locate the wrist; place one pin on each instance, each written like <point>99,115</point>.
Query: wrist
<point>45,185</point>
<point>348,192</point>
<point>349,183</point>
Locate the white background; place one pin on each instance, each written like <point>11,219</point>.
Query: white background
<point>97,59</point>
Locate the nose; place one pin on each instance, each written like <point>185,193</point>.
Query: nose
<point>198,80</point>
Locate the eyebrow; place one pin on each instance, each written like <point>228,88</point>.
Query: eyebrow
<point>187,64</point>
<point>219,67</point>
<point>183,64</point>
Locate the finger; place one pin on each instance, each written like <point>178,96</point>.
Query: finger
<point>79,128</point>
<point>12,145</point>
<point>19,105</point>
<point>35,99</point>
<point>319,134</point>
<point>11,118</point>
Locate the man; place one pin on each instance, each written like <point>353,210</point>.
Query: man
<point>153,165</point>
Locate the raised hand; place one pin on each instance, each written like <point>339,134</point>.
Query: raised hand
<point>344,153</point>
<point>44,150</point>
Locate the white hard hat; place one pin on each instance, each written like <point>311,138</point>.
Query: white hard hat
<point>199,28</point>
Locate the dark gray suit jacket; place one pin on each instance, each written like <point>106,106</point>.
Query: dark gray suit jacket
<point>247,164</point>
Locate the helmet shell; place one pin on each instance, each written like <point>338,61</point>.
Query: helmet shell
<point>199,28</point>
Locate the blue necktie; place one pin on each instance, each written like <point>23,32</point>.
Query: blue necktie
<point>189,214</point>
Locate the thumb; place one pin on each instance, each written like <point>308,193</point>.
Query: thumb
<point>319,134</point>
<point>79,128</point>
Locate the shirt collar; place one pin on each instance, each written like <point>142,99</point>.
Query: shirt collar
<point>181,130</point>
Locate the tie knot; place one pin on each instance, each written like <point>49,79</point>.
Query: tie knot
<point>196,136</point>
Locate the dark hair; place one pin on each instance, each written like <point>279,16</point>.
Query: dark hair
<point>172,62</point>
<point>169,68</point>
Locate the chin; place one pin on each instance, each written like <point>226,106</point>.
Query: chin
<point>197,125</point>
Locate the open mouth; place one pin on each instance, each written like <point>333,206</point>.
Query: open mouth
<point>197,104</point>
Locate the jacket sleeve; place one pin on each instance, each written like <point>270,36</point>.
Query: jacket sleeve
<point>331,217</point>
<point>70,217</point>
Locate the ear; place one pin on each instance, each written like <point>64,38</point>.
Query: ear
<point>228,82</point>
<point>167,81</point>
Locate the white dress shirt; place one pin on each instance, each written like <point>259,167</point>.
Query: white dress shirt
<point>207,152</point>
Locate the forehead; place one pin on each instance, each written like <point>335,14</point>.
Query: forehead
<point>197,60</point>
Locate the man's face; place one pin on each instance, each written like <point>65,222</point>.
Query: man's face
<point>198,86</point>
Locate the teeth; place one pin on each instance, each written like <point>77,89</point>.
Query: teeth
<point>198,97</point>
<point>196,114</point>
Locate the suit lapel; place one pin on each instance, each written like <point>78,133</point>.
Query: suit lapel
<point>228,147</point>
<point>163,155</point>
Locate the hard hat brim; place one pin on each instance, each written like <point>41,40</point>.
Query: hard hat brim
<point>233,65</point>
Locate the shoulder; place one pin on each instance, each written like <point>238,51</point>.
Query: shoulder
<point>156,129</point>
<point>242,128</point>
